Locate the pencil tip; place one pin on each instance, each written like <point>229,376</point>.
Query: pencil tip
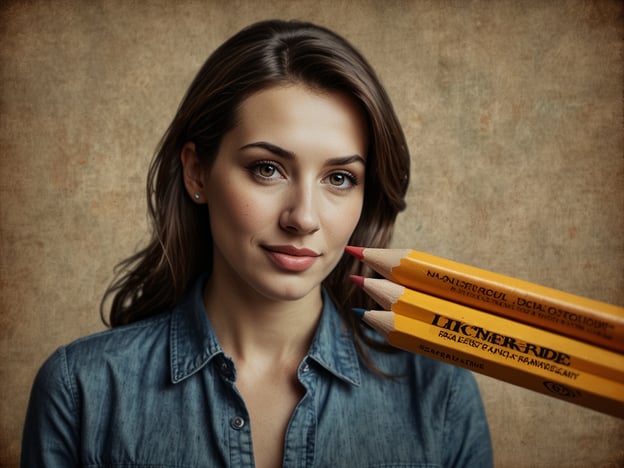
<point>358,280</point>
<point>357,252</point>
<point>358,312</point>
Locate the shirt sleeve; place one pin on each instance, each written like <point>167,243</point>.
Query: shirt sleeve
<point>466,431</point>
<point>50,437</point>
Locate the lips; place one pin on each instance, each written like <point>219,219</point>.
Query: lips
<point>291,258</point>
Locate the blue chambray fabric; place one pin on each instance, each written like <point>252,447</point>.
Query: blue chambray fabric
<point>161,393</point>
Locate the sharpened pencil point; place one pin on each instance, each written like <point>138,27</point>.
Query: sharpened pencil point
<point>357,252</point>
<point>358,280</point>
<point>358,312</point>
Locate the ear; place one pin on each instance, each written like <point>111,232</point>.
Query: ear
<point>193,173</point>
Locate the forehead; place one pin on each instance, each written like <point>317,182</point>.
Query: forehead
<point>300,116</point>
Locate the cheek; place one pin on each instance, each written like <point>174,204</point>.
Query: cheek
<point>341,223</point>
<point>235,210</point>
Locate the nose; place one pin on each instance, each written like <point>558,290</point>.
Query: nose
<point>300,214</point>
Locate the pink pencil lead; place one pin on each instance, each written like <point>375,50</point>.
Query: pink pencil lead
<point>358,280</point>
<point>357,252</point>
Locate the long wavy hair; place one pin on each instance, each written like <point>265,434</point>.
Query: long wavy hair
<point>264,54</point>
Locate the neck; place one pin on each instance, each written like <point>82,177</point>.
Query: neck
<point>253,328</point>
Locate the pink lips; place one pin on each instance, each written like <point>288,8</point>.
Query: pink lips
<point>291,258</point>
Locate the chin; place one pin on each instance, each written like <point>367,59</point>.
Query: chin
<point>287,290</point>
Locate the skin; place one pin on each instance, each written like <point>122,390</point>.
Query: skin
<point>289,176</point>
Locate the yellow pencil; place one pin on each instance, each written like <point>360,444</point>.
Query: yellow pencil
<point>540,375</point>
<point>517,338</point>
<point>585,319</point>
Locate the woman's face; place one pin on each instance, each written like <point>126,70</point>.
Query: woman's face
<point>286,189</point>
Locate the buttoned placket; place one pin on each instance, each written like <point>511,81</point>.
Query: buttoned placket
<point>240,448</point>
<point>301,431</point>
<point>300,437</point>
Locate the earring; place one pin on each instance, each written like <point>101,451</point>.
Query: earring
<point>197,195</point>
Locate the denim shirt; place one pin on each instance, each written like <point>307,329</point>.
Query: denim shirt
<point>162,393</point>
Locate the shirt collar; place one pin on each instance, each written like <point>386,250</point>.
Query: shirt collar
<point>333,346</point>
<point>193,342</point>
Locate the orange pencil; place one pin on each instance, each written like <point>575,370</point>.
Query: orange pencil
<point>564,313</point>
<point>491,330</point>
<point>574,386</point>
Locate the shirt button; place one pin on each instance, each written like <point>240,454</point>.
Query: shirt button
<point>225,368</point>
<point>306,368</point>
<point>237,423</point>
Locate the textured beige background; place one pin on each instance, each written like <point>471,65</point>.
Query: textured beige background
<point>514,114</point>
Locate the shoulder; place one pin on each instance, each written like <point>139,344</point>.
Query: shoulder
<point>124,344</point>
<point>123,334</point>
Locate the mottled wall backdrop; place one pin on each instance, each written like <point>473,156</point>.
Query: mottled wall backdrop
<point>513,111</point>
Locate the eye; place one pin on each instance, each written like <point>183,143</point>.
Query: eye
<point>342,180</point>
<point>265,170</point>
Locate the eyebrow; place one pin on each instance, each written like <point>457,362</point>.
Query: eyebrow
<point>290,155</point>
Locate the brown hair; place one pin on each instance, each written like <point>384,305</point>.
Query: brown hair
<point>263,54</point>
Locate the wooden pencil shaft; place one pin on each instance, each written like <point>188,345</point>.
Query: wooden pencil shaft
<point>572,385</point>
<point>579,317</point>
<point>517,337</point>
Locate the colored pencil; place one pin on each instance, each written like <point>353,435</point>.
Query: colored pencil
<point>543,376</point>
<point>584,319</point>
<point>488,328</point>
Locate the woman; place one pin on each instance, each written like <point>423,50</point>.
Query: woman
<point>233,343</point>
